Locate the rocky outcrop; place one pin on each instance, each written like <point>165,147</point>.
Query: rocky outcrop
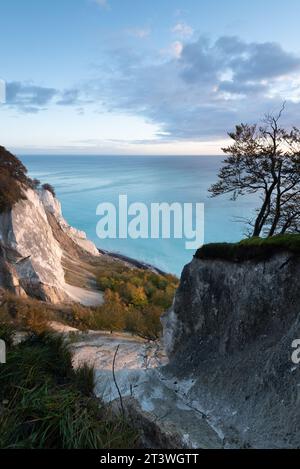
<point>230,331</point>
<point>31,258</point>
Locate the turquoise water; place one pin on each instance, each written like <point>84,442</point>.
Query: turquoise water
<point>82,182</point>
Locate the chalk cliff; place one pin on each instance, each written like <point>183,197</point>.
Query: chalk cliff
<point>31,255</point>
<point>230,333</point>
<point>52,205</point>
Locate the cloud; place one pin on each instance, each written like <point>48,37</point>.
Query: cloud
<point>183,30</point>
<point>194,90</point>
<point>205,88</point>
<point>69,98</point>
<point>247,61</point>
<point>243,89</point>
<point>28,97</point>
<point>140,33</point>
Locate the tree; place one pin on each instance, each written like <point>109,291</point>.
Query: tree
<point>14,179</point>
<point>48,187</point>
<point>13,175</point>
<point>35,183</point>
<point>12,166</point>
<point>264,160</point>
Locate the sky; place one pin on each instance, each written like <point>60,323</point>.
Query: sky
<point>144,77</point>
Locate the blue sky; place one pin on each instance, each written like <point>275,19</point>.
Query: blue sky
<point>144,77</point>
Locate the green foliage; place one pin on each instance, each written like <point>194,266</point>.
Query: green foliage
<point>50,188</point>
<point>36,361</point>
<point>134,301</point>
<point>47,404</point>
<point>264,160</point>
<point>83,378</point>
<point>10,191</point>
<point>12,176</point>
<point>252,248</point>
<point>25,313</point>
<point>35,183</point>
<point>13,166</point>
<point>7,333</point>
<point>139,287</point>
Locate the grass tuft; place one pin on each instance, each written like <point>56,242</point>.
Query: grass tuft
<point>48,404</point>
<point>7,333</point>
<point>83,378</point>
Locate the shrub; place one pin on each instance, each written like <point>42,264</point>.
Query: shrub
<point>28,314</point>
<point>145,323</point>
<point>110,316</point>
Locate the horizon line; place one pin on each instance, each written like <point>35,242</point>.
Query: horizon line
<point>120,154</point>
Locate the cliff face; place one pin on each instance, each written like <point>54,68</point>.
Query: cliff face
<point>53,206</point>
<point>230,330</point>
<point>31,258</point>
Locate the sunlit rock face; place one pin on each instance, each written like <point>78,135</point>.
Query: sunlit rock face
<point>231,329</point>
<point>31,256</point>
<point>31,249</point>
<point>53,206</point>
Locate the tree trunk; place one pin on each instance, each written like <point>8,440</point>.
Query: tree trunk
<point>260,220</point>
<point>278,205</point>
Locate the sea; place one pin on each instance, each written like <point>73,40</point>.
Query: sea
<point>83,182</point>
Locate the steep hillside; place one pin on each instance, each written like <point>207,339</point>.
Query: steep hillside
<point>230,331</point>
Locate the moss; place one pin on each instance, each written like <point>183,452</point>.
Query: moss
<point>252,248</point>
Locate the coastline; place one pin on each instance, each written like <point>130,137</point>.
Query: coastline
<point>132,261</point>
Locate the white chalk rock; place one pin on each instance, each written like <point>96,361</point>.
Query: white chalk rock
<point>52,205</point>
